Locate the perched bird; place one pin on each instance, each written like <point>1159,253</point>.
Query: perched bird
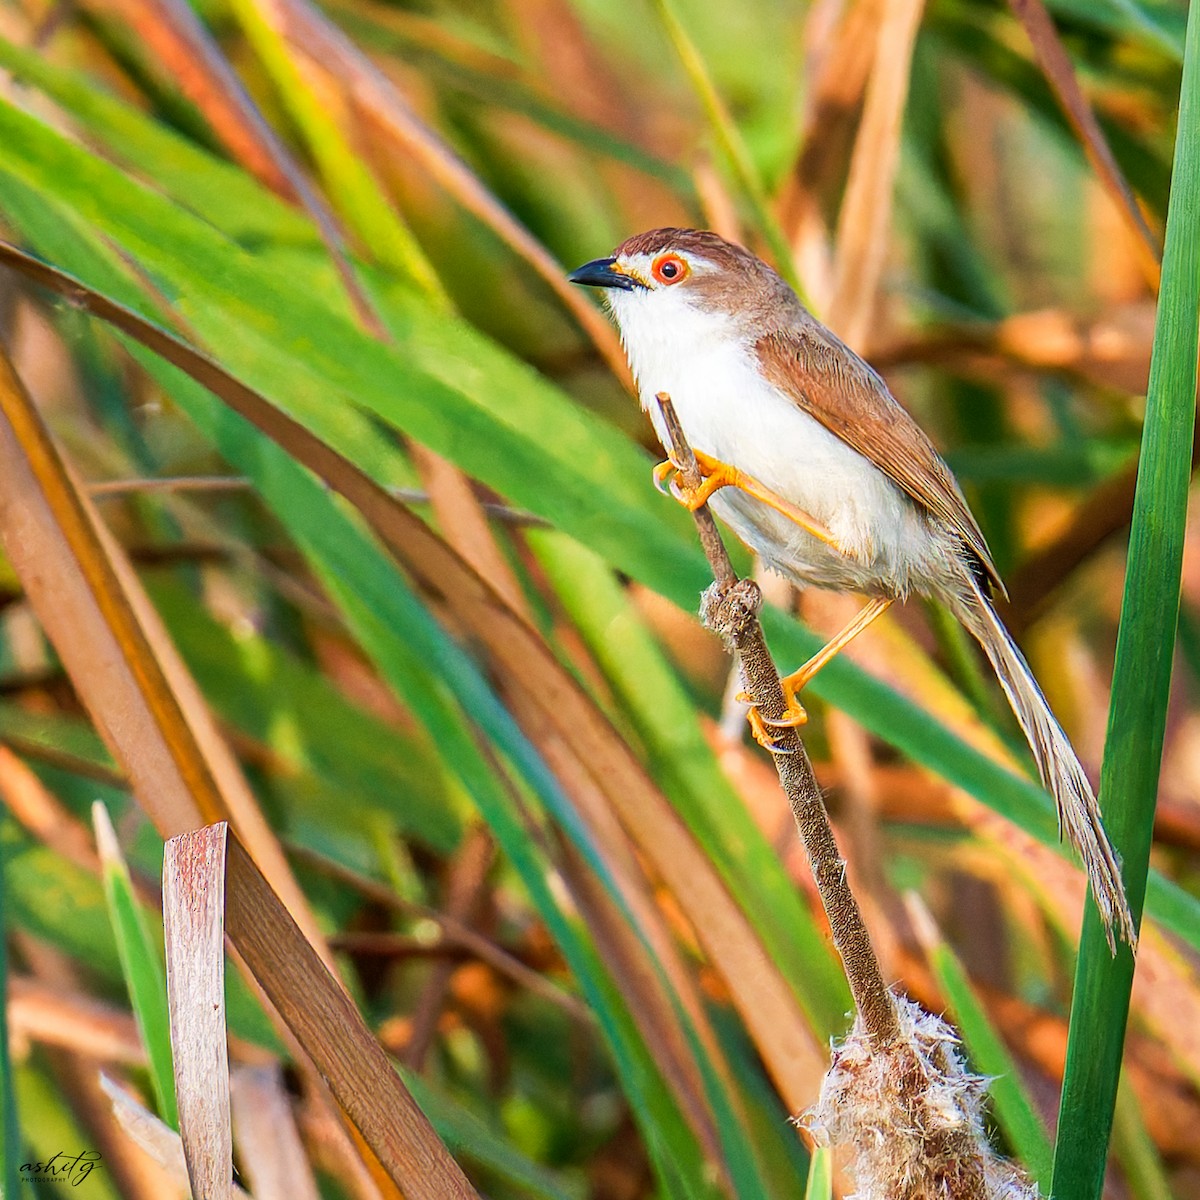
<point>815,466</point>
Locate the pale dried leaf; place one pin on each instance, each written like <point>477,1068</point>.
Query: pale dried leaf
<point>865,219</point>
<point>1056,65</point>
<point>313,1006</point>
<point>157,1139</point>
<point>194,923</point>
<point>54,1016</point>
<point>269,1148</point>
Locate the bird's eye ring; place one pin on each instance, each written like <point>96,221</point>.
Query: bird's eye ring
<point>669,268</point>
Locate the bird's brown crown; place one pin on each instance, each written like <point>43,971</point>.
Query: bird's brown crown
<point>701,242</point>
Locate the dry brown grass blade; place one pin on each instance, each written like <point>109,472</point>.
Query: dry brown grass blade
<point>465,528</point>
<point>548,701</point>
<point>863,237</point>
<point>325,54</point>
<point>1056,65</point>
<point>1105,512</point>
<point>717,205</point>
<point>210,879</point>
<point>864,223</point>
<point>30,802</point>
<point>179,45</point>
<point>464,525</point>
<point>52,756</point>
<point>48,1013</point>
<point>453,933</point>
<point>1110,351</point>
<point>1166,994</point>
<point>464,895</point>
<point>174,34</point>
<point>124,667</point>
<point>270,1151</point>
<point>520,655</point>
<point>843,65</point>
<point>53,547</point>
<point>623,951</point>
<point>552,35</point>
<point>194,925</point>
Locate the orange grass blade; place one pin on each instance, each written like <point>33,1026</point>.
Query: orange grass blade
<point>839,62</point>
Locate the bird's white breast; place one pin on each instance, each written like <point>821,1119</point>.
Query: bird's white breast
<point>729,411</point>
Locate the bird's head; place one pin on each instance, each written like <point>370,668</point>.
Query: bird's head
<point>684,281</point>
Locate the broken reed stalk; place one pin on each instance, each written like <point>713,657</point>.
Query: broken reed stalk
<point>730,608</point>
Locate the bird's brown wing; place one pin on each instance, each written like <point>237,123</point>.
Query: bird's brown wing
<point>834,386</point>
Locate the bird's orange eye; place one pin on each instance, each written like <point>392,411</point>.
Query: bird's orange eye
<point>669,268</point>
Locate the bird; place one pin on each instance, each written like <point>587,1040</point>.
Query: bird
<point>810,460</point>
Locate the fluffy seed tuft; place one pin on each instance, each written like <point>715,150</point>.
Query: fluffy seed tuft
<point>911,1115</point>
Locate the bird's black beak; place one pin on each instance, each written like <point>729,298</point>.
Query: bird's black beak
<point>600,273</point>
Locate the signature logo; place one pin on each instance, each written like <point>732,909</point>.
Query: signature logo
<point>61,1168</point>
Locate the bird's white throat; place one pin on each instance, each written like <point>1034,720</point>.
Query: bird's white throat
<point>671,342</point>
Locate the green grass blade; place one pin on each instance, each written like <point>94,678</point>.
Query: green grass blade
<point>820,1175</point>
<point>51,1128</point>
<point>360,765</point>
<point>1141,1163</point>
<point>221,192</point>
<point>1161,27</point>
<point>411,653</point>
<point>466,1134</point>
<point>1011,1102</point>
<point>140,964</point>
<point>731,142</point>
<point>1142,672</point>
<point>439,682</point>
<point>348,179</point>
<point>683,761</point>
<point>52,898</point>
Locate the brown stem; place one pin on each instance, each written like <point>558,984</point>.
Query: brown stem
<point>730,608</point>
<point>468,878</point>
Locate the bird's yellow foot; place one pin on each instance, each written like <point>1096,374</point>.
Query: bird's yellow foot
<point>760,726</point>
<point>714,476</point>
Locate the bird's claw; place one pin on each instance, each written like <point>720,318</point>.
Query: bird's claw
<point>714,475</point>
<point>794,716</point>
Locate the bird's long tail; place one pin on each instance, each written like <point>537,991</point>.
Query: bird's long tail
<point>1078,811</point>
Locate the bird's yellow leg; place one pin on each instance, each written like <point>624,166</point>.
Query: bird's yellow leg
<point>717,475</point>
<point>795,714</point>
<point>792,684</point>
